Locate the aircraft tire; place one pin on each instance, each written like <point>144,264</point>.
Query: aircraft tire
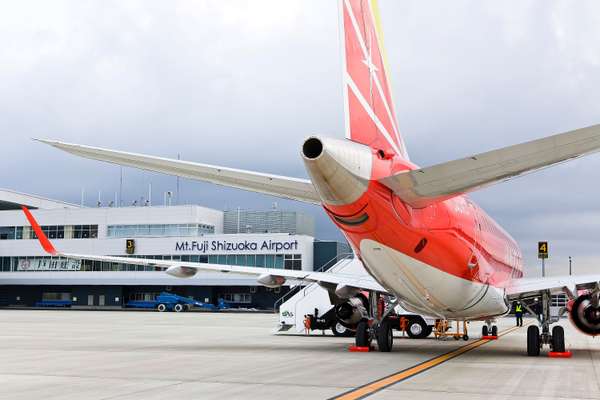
<point>494,330</point>
<point>161,307</point>
<point>558,339</point>
<point>533,341</point>
<point>484,330</point>
<point>385,336</point>
<point>178,307</point>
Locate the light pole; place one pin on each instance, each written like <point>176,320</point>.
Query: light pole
<point>570,266</point>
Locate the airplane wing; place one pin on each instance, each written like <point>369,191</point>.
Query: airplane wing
<point>527,287</point>
<point>276,185</point>
<point>181,269</point>
<point>425,186</point>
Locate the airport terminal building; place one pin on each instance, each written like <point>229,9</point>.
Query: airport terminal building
<point>273,238</point>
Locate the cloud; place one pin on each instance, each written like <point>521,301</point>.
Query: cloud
<point>241,83</point>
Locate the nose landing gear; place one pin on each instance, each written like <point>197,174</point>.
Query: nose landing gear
<point>535,339</point>
<point>489,329</point>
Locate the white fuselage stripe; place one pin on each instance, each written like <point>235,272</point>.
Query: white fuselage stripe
<point>371,113</point>
<point>428,290</point>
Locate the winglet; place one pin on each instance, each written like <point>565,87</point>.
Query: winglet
<point>48,247</point>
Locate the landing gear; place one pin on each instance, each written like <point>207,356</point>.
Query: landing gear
<point>379,326</point>
<point>385,336</point>
<point>558,339</point>
<point>535,339</point>
<point>488,329</point>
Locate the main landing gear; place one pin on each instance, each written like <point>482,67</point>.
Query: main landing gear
<point>379,327</point>
<point>535,339</point>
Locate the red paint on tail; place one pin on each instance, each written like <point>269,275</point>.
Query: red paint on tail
<point>39,232</point>
<point>370,113</point>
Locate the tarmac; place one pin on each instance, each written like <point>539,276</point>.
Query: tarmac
<point>56,354</point>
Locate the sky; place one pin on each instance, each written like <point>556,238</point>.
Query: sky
<point>242,83</point>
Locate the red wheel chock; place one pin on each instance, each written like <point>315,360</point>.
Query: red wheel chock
<point>490,337</point>
<point>563,354</point>
<point>359,349</point>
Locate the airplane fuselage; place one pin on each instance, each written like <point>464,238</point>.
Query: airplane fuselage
<point>449,259</point>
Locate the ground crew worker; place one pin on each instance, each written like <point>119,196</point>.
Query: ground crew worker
<point>307,324</point>
<point>519,313</point>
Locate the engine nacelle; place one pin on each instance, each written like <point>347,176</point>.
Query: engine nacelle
<point>271,281</point>
<point>351,312</point>
<point>584,315</point>
<point>346,292</point>
<point>181,272</point>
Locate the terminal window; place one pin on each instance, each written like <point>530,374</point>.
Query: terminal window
<point>282,261</point>
<point>293,261</point>
<point>85,231</point>
<point>5,263</point>
<point>244,298</point>
<point>121,231</point>
<point>143,296</point>
<point>50,296</point>
<point>54,232</point>
<point>11,232</point>
<point>51,231</point>
<point>558,300</point>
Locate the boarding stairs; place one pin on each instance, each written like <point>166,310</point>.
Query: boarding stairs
<point>304,300</point>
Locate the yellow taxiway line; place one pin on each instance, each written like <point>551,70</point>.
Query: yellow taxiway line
<point>375,386</point>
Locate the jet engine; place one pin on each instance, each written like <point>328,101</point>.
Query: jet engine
<point>585,314</point>
<point>352,311</point>
<point>181,272</point>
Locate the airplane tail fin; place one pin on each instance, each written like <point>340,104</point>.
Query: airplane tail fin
<point>369,107</point>
<point>43,239</point>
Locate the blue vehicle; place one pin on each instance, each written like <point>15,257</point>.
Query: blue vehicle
<point>54,303</point>
<point>171,302</point>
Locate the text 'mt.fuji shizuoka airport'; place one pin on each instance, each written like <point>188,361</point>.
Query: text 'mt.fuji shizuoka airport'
<point>272,238</point>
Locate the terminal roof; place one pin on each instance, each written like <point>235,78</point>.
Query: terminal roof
<point>11,200</point>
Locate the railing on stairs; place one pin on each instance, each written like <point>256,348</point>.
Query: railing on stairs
<point>301,286</point>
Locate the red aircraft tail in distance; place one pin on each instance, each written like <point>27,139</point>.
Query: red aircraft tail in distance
<point>48,247</point>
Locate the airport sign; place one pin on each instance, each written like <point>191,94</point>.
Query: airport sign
<point>542,250</point>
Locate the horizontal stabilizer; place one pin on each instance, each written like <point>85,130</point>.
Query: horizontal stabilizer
<point>422,187</point>
<point>280,186</point>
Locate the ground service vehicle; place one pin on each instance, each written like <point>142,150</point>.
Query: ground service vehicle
<point>171,302</point>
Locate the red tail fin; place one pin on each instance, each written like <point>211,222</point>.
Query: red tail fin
<point>370,115</point>
<point>39,232</point>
